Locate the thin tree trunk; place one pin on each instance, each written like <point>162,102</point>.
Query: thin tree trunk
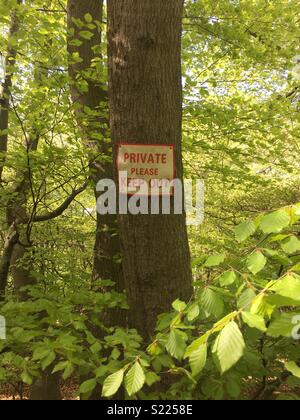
<point>5,88</point>
<point>21,265</point>
<point>91,125</point>
<point>9,244</point>
<point>145,92</point>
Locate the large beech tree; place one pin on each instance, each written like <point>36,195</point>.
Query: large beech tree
<point>145,100</point>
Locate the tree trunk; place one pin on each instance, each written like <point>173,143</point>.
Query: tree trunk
<point>9,244</point>
<point>6,86</point>
<point>91,125</point>
<point>145,92</point>
<point>5,90</point>
<point>46,388</point>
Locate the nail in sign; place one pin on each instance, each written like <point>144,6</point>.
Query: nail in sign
<point>144,165</point>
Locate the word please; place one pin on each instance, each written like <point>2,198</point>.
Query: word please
<point>150,158</point>
<point>144,171</point>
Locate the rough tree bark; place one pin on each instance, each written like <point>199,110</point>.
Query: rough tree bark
<point>107,244</point>
<point>145,99</point>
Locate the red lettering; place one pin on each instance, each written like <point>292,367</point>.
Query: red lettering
<point>144,157</point>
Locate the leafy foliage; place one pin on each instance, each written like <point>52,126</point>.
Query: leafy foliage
<point>240,134</point>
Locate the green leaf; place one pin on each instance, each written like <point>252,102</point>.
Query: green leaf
<point>227,278</point>
<point>291,245</point>
<point>198,359</point>
<point>215,260</point>
<point>135,379</point>
<point>40,353</point>
<point>86,34</point>
<point>244,231</point>
<point>288,287</point>
<point>275,222</point>
<point>281,258</point>
<point>262,307</point>
<point>233,387</point>
<point>218,326</point>
<point>193,312</point>
<point>296,267</point>
<point>176,344</point>
<point>96,347</point>
<point>112,383</point>
<point>211,303</point>
<point>75,43</point>
<point>179,306</point>
<point>293,368</point>
<point>254,321</point>
<point>26,378</point>
<point>88,18</point>
<point>279,301</point>
<point>246,299</point>
<point>198,261</point>
<point>88,386</point>
<point>282,326</point>
<point>194,346</point>
<point>152,378</point>
<point>115,354</point>
<point>256,262</point>
<point>68,371</point>
<point>48,360</point>
<point>229,347</point>
<point>60,366</point>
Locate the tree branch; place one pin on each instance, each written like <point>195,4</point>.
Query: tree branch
<point>63,207</point>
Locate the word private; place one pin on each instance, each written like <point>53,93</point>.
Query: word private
<point>145,164</point>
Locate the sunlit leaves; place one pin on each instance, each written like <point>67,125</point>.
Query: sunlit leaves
<point>197,359</point>
<point>112,383</point>
<point>211,303</point>
<point>193,312</point>
<point>229,347</point>
<point>179,306</point>
<point>293,368</point>
<point>134,379</point>
<point>275,222</point>
<point>291,245</point>
<point>215,260</point>
<point>88,386</point>
<point>88,18</point>
<point>86,35</point>
<point>254,321</point>
<point>256,262</point>
<point>244,230</point>
<point>176,344</point>
<point>227,279</point>
<point>288,287</point>
<point>246,299</point>
<point>281,326</point>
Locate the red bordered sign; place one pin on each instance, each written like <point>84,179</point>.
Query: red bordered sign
<point>146,169</point>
